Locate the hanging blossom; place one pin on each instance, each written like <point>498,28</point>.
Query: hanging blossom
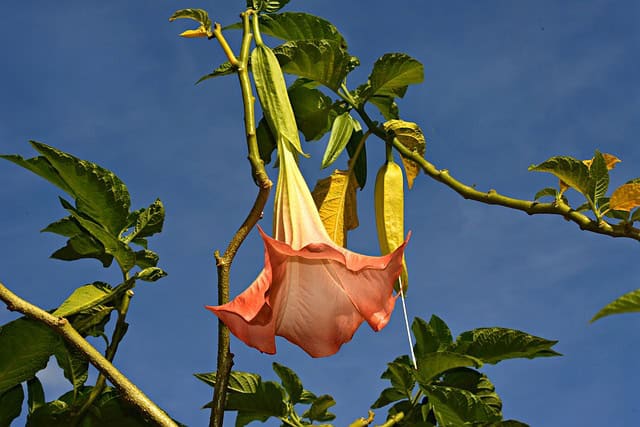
<point>311,291</point>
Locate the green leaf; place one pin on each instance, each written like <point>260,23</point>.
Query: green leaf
<point>149,221</point>
<point>84,298</point>
<point>151,274</point>
<point>223,69</point>
<point>546,192</point>
<point>25,348</point>
<point>386,105</point>
<point>267,6</point>
<point>266,141</point>
<point>267,401</point>
<point>430,337</point>
<point>92,321</point>
<point>599,177</point>
<point>456,407</point>
<point>473,382</point>
<point>112,244</point>
<point>432,365</point>
<point>73,363</point>
<point>627,303</point>
<point>321,60</point>
<point>491,345</point>
<point>290,381</point>
<point>11,404</point>
<point>571,171</point>
<point>401,374</point>
<point>387,396</point>
<point>393,72</point>
<point>240,382</point>
<point>341,132</point>
<point>35,393</point>
<point>98,192</point>
<point>83,246</point>
<point>291,26</point>
<point>146,258</point>
<point>199,15</point>
<point>318,409</point>
<point>313,110</point>
<point>67,227</point>
<point>272,92</point>
<point>360,168</point>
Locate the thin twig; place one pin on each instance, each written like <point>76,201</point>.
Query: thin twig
<point>492,197</point>
<point>127,390</point>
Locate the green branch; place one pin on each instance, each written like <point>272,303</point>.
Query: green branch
<point>492,197</point>
<point>127,390</point>
<point>223,263</point>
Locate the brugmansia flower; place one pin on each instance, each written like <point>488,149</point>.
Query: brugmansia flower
<point>311,291</point>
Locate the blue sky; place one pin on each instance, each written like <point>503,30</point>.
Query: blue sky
<point>507,84</point>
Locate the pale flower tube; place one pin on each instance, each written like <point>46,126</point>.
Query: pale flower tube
<point>311,291</point>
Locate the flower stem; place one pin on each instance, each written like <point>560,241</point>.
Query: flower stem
<point>223,262</point>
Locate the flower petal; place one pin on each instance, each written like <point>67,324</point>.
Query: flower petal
<point>318,297</point>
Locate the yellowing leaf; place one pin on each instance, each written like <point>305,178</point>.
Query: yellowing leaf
<point>625,197</point>
<point>609,159</point>
<point>410,135</point>
<point>199,32</point>
<point>335,198</point>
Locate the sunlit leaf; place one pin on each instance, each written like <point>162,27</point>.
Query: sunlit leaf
<point>98,192</point>
<point>240,382</point>
<point>319,409</point>
<point>393,72</point>
<point>625,197</point>
<point>491,345</point>
<point>599,177</point>
<point>151,274</point>
<point>267,401</point>
<point>83,246</point>
<point>387,106</point>
<point>410,135</point>
<point>546,192</point>
<point>84,298</point>
<point>457,407</point>
<point>268,6</point>
<point>627,303</point>
<point>198,15</point>
<point>473,382</point>
<point>431,337</point>
<point>290,382</point>
<point>335,198</point>
<point>432,365</point>
<point>290,26</point>
<point>571,171</point>
<point>341,132</point>
<point>387,396</point>
<point>321,60</point>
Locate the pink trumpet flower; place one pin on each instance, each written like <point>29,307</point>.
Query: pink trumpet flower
<point>311,291</point>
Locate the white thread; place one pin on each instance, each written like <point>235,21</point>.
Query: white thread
<point>406,324</point>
